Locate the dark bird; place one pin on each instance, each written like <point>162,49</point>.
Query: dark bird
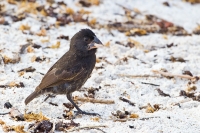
<point>72,70</point>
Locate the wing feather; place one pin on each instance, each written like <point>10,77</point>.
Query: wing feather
<point>53,79</point>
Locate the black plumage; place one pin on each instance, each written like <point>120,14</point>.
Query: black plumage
<point>72,70</point>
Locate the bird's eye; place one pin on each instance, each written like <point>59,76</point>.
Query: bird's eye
<point>86,39</point>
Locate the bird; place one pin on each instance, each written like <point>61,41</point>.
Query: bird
<point>72,70</point>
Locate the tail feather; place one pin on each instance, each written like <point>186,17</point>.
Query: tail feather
<point>31,97</point>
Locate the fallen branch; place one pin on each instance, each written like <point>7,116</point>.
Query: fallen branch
<point>88,128</point>
<point>92,100</point>
<point>166,74</point>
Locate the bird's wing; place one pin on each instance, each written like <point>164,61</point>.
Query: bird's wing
<point>58,76</point>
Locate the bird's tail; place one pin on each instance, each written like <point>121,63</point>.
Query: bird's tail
<point>31,97</point>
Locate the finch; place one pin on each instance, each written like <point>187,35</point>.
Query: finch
<point>72,70</point>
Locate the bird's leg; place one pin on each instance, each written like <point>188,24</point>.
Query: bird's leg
<point>79,111</point>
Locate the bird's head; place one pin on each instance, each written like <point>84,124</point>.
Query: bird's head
<point>85,42</point>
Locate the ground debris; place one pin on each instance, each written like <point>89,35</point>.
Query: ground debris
<point>126,100</point>
<point>92,100</point>
<point>160,92</point>
<point>29,69</point>
<point>61,126</point>
<point>190,95</point>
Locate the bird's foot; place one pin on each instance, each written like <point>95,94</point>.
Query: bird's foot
<point>49,96</point>
<point>85,113</point>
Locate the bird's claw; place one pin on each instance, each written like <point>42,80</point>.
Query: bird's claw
<point>85,113</point>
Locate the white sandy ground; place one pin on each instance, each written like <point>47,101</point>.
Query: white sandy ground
<point>184,119</point>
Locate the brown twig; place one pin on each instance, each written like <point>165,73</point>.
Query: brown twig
<point>54,104</point>
<point>129,119</point>
<point>92,100</point>
<point>126,100</point>
<point>150,84</point>
<point>88,128</point>
<point>5,113</point>
<point>166,74</point>
<point>182,101</point>
<point>137,76</point>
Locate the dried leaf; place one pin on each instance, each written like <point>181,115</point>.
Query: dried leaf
<point>94,2</point>
<point>43,12</point>
<point>177,59</point>
<point>12,2</point>
<point>40,59</point>
<point>170,45</point>
<point>13,60</point>
<point>165,37</point>
<point>30,49</point>
<point>187,73</point>
<point>12,84</point>
<point>70,11</point>
<point>134,116</point>
<point>93,21</point>
<point>33,116</point>
<point>29,7</point>
<point>135,43</point>
<point>107,44</point>
<point>68,115</point>
<point>82,11</point>
<point>45,40</point>
<point>78,18</point>
<point>55,46</point>
<point>95,119</point>
<point>24,27</point>
<point>197,30</point>
<point>166,4</point>
<point>5,127</point>
<point>2,122</point>
<point>139,32</point>
<point>63,37</point>
<point>85,3</point>
<point>60,126</point>
<point>136,10</point>
<point>19,129</point>
<point>191,87</point>
<point>193,1</point>
<point>156,107</point>
<point>2,20</point>
<point>68,105</point>
<point>33,58</point>
<point>150,109</point>
<point>7,60</point>
<point>98,60</point>
<point>42,32</point>
<point>119,114</point>
<point>18,17</point>
<point>44,126</point>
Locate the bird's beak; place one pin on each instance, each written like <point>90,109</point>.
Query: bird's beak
<point>96,43</point>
